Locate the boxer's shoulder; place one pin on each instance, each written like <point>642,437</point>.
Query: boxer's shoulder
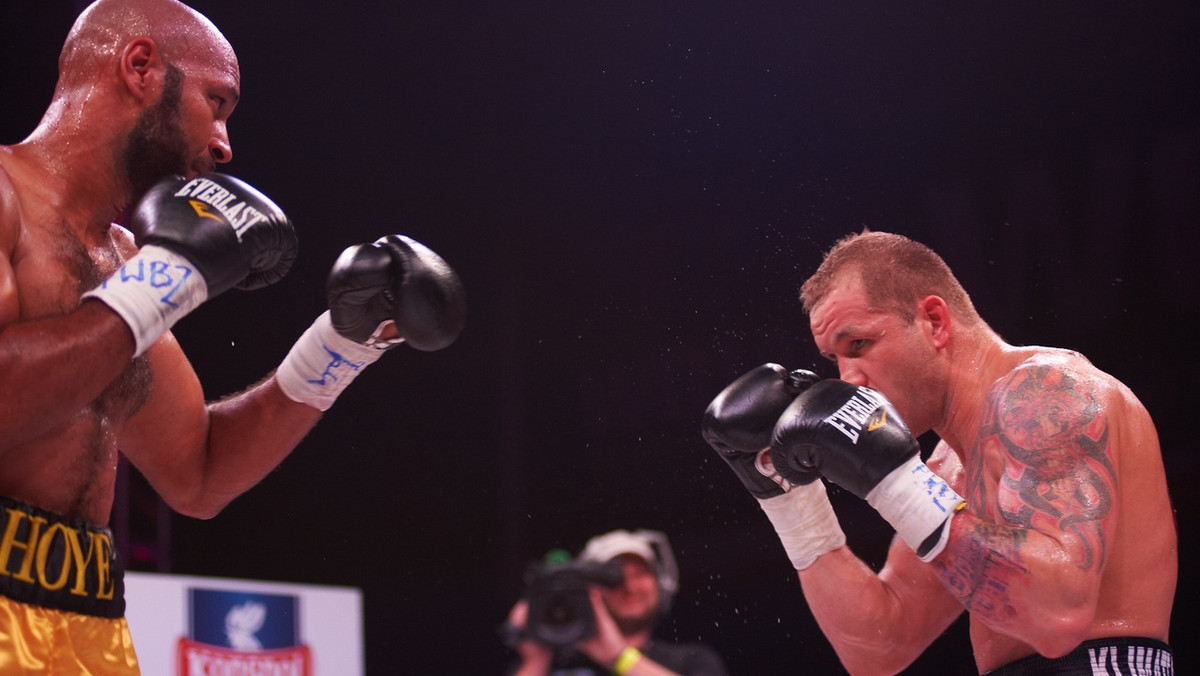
<point>1041,371</point>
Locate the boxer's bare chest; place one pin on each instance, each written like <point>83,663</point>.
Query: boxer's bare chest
<point>53,268</point>
<point>71,469</point>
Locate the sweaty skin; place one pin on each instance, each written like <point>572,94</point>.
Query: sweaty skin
<point>146,88</point>
<point>1065,465</point>
<point>1068,534</point>
<point>71,468</point>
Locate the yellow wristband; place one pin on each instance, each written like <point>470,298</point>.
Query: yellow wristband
<point>625,661</point>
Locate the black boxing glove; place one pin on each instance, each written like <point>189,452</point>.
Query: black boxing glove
<point>854,437</point>
<point>739,422</point>
<point>738,425</point>
<point>231,232</point>
<point>393,280</point>
<point>198,238</point>
<point>396,279</point>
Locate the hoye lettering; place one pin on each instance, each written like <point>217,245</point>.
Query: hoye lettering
<point>855,413</point>
<point>56,557</point>
<point>238,213</point>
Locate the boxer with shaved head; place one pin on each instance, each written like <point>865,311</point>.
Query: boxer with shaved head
<point>138,124</point>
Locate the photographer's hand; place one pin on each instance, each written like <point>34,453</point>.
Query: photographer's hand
<point>609,646</point>
<point>535,657</point>
<point>606,646</point>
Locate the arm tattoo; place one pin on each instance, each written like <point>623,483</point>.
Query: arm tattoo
<point>1058,478</point>
<point>980,573</point>
<point>1047,432</point>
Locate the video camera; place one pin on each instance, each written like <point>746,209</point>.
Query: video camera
<point>560,612</point>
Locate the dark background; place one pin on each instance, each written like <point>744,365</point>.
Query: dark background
<point>632,193</point>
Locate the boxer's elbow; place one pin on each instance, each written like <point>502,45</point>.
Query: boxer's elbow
<point>198,504</point>
<point>202,512</point>
<point>1057,636</point>
<point>1056,629</point>
<point>884,653</point>
<point>1057,611</point>
<point>882,665</point>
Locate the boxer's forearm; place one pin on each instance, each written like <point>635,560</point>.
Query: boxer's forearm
<point>877,623</point>
<point>250,434</point>
<point>238,441</point>
<point>38,395</point>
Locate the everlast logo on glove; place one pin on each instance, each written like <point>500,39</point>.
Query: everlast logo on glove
<point>205,193</point>
<point>857,412</point>
<point>60,563</point>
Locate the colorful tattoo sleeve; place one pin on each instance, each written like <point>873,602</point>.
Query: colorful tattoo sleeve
<point>1041,465</point>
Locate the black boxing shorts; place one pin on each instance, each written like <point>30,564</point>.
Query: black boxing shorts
<point>51,561</point>
<point>1124,656</point>
<point>62,597</point>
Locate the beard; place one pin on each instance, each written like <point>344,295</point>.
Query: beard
<point>157,146</point>
<point>634,625</point>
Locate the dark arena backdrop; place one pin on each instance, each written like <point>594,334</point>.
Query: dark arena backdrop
<point>632,193</point>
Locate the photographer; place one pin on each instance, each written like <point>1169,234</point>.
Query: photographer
<point>628,580</point>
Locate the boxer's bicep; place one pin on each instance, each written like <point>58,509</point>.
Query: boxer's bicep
<point>167,438</point>
<point>1051,429</point>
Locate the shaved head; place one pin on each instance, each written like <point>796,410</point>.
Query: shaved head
<point>106,26</point>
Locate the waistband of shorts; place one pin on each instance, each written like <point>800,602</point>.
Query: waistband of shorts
<point>1117,656</point>
<point>54,561</point>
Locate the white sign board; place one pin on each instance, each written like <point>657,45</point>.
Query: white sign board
<point>197,626</point>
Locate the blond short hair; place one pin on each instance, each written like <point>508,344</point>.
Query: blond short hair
<point>896,271</point>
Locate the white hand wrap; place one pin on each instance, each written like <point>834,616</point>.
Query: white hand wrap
<point>805,523</point>
<point>321,364</point>
<point>917,503</point>
<point>151,292</point>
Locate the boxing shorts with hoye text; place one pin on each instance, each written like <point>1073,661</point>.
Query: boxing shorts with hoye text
<point>1123,656</point>
<point>51,561</point>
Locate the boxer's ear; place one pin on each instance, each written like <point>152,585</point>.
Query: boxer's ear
<point>936,314</point>
<point>142,69</point>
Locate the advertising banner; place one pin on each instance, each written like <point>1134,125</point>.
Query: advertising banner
<point>202,626</point>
